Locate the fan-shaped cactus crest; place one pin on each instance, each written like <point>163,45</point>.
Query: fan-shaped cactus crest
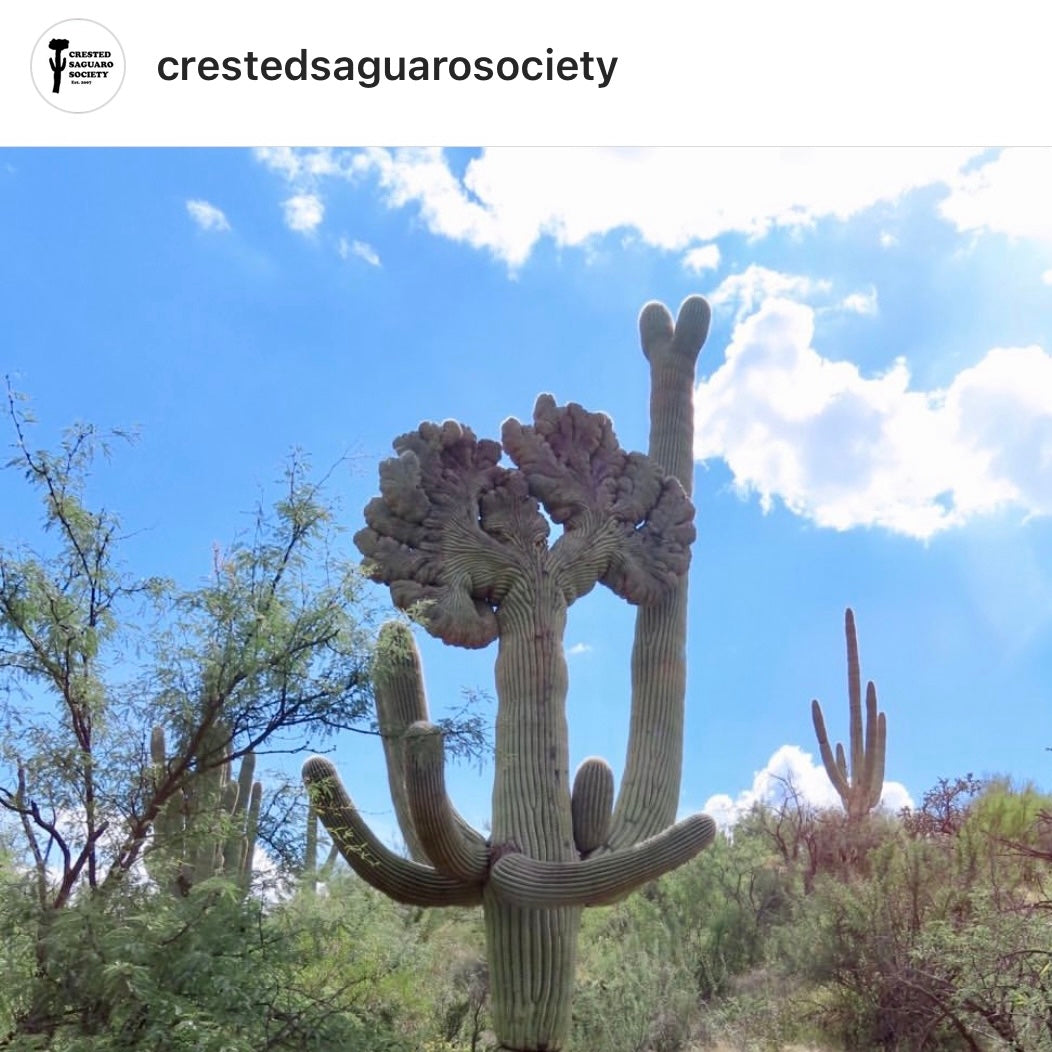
<point>463,542</point>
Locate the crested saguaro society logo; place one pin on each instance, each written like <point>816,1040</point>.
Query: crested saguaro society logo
<point>78,65</point>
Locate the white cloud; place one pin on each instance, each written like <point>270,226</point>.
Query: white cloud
<point>1007,194</point>
<point>791,766</point>
<point>1001,412</point>
<point>888,240</point>
<point>207,216</point>
<point>747,290</point>
<point>303,212</point>
<point>359,249</point>
<point>847,450</point>
<point>577,649</point>
<point>704,257</point>
<point>509,198</point>
<point>860,302</point>
<point>305,167</point>
<point>1047,277</point>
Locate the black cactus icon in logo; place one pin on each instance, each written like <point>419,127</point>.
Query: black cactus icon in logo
<point>58,63</point>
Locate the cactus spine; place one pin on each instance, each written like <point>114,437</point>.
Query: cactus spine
<point>208,827</point>
<point>859,788</point>
<point>462,541</point>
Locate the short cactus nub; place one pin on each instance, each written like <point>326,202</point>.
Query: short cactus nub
<point>860,786</point>
<point>591,804</point>
<point>463,543</point>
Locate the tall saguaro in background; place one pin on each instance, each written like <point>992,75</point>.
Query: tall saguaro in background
<point>462,542</point>
<point>859,787</point>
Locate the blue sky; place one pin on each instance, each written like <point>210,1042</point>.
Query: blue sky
<point>874,407</point>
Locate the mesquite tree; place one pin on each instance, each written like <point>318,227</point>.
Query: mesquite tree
<point>266,650</point>
<point>463,543</point>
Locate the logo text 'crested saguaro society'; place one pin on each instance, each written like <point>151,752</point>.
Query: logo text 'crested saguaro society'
<point>77,65</point>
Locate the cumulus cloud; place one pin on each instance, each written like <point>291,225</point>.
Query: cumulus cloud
<point>303,212</point>
<point>704,257</point>
<point>207,216</point>
<point>791,769</point>
<point>848,450</point>
<point>1006,194</point>
<point>577,649</point>
<point>359,250</point>
<point>860,302</point>
<point>745,292</point>
<point>507,199</point>
<point>306,167</point>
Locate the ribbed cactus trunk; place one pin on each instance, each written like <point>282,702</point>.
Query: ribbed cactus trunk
<point>531,951</point>
<point>532,955</point>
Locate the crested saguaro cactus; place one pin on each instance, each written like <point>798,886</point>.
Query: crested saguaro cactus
<point>859,788</point>
<point>208,827</point>
<point>463,542</point>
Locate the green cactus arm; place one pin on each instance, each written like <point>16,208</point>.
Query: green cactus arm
<point>245,778</point>
<point>869,752</point>
<point>876,782</point>
<point>831,764</point>
<point>602,879</point>
<point>242,809</point>
<point>649,793</point>
<point>164,859</point>
<point>235,804</point>
<point>591,804</point>
<point>244,875</point>
<point>214,794</point>
<point>452,850</point>
<point>398,687</point>
<point>842,767</point>
<point>310,850</point>
<point>672,350</point>
<point>401,701</point>
<point>854,696</point>
<point>168,827</point>
<point>158,752</point>
<point>398,878</point>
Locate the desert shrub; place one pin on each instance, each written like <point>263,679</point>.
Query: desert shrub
<point>635,991</point>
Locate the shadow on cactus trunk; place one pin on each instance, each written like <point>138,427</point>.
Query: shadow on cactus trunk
<point>463,544</point>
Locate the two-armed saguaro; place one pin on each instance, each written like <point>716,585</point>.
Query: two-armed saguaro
<point>462,542</point>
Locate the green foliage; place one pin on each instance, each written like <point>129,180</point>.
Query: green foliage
<point>268,649</point>
<point>92,656</point>
<point>213,972</point>
<point>634,990</point>
<point>938,942</point>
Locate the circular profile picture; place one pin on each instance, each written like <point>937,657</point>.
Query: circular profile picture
<point>78,65</point>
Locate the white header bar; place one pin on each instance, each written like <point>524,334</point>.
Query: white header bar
<point>572,72</point>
